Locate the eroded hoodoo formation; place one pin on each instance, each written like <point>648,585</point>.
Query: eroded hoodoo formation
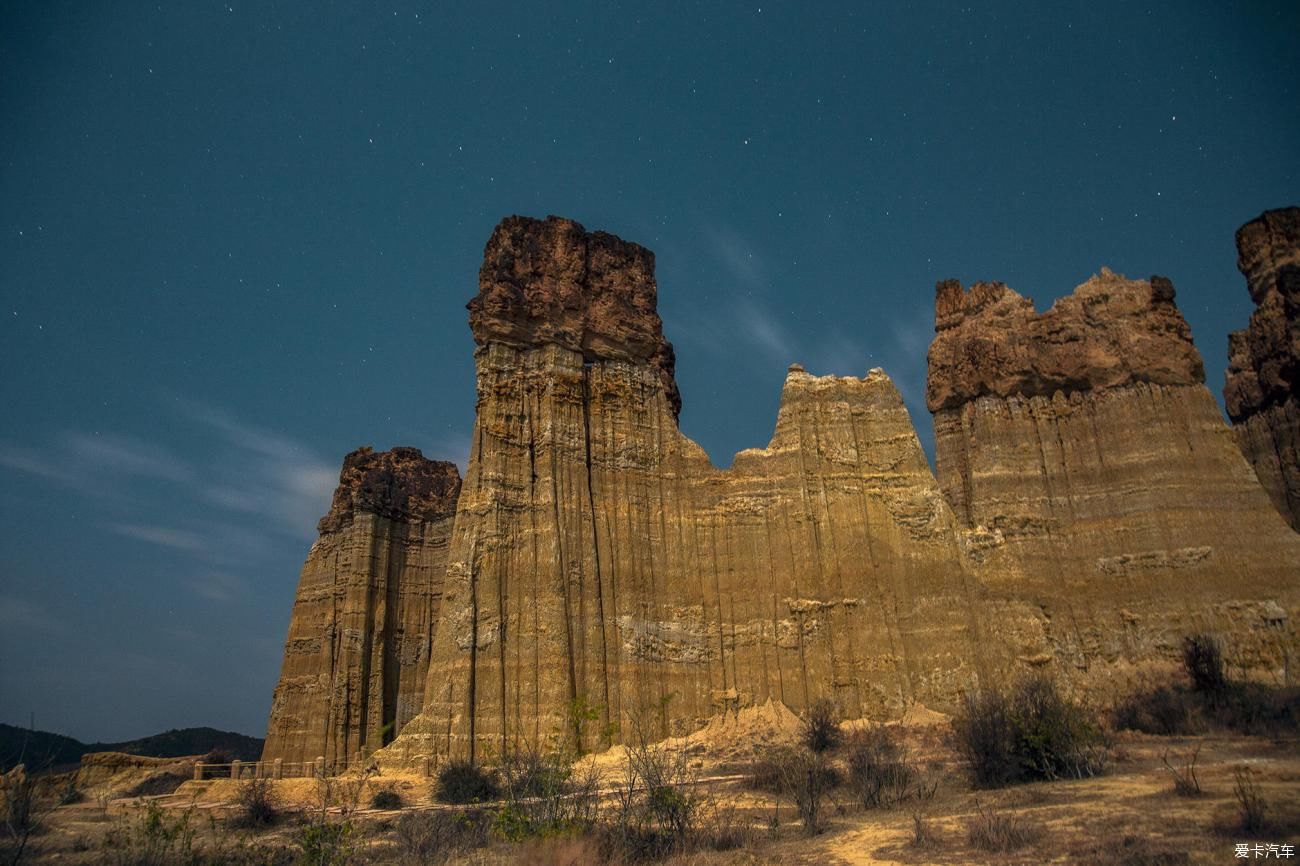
<point>603,578</point>
<point>1082,450</point>
<point>367,604</point>
<point>600,561</point>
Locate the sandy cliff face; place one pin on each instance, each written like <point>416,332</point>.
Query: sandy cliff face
<point>600,562</point>
<point>1262,387</point>
<point>363,620</point>
<point>604,580</point>
<point>1096,478</point>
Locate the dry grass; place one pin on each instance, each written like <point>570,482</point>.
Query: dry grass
<point>1128,816</point>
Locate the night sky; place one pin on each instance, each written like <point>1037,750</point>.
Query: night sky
<point>236,241</point>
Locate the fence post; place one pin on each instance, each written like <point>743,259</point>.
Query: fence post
<point>235,767</point>
<point>257,770</point>
<point>277,769</point>
<point>320,766</point>
<point>425,766</point>
<point>198,771</point>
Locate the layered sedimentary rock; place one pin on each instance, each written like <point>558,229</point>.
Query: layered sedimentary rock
<point>364,617</point>
<point>1262,387</point>
<point>606,581</point>
<point>1096,479</point>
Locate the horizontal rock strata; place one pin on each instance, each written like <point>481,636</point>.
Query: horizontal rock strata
<point>1262,386</point>
<point>363,620</point>
<point>1095,477</point>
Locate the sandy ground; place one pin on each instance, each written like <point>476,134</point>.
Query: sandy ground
<point>1128,815</point>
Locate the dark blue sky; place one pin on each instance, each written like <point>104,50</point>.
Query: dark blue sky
<point>236,241</point>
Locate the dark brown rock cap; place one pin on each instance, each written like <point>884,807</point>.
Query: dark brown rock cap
<point>552,281</point>
<point>1268,248</point>
<point>1264,359</point>
<point>1111,331</point>
<point>401,484</point>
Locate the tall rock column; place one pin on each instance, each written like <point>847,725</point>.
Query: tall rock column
<point>606,581</point>
<point>1084,444</point>
<point>363,621</point>
<point>1262,387</point>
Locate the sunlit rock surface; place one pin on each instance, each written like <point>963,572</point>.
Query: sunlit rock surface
<point>601,563</point>
<point>367,603</point>
<point>604,580</point>
<point>1096,479</point>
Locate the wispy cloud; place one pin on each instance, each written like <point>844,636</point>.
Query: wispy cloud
<point>271,475</point>
<point>92,463</point>
<point>907,356</point>
<point>17,614</point>
<point>765,331</point>
<point>123,455</point>
<point>218,586</point>
<point>737,255</point>
<point>162,536</point>
<point>32,463</point>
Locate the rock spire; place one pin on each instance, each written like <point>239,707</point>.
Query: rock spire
<point>1262,386</point>
<point>363,620</point>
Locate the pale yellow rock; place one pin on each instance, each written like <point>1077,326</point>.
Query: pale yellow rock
<point>600,561</point>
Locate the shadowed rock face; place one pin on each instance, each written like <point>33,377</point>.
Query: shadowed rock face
<point>363,619</point>
<point>1262,385</point>
<point>1094,474</point>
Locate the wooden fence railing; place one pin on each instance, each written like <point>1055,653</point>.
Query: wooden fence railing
<point>281,769</point>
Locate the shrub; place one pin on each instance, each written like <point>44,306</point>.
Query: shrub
<point>1253,708</point>
<point>1185,782</point>
<point>723,828</point>
<point>430,837</point>
<point>1203,660</point>
<point>806,778</point>
<point>462,782</point>
<point>1028,733</point>
<point>24,805</point>
<point>879,771</point>
<point>256,804</point>
<point>655,806</point>
<point>1250,802</point>
<point>544,795</point>
<point>387,799</point>
<point>1163,711</point>
<point>150,837</point>
<point>821,726</point>
<point>923,834</point>
<point>1055,738</point>
<point>325,843</point>
<point>1212,700</point>
<point>993,831</point>
<point>764,774</point>
<point>986,737</point>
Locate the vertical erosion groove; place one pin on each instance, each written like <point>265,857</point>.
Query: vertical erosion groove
<point>558,524</point>
<point>595,544</point>
<point>471,690</point>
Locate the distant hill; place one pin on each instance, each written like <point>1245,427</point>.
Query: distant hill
<point>40,749</point>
